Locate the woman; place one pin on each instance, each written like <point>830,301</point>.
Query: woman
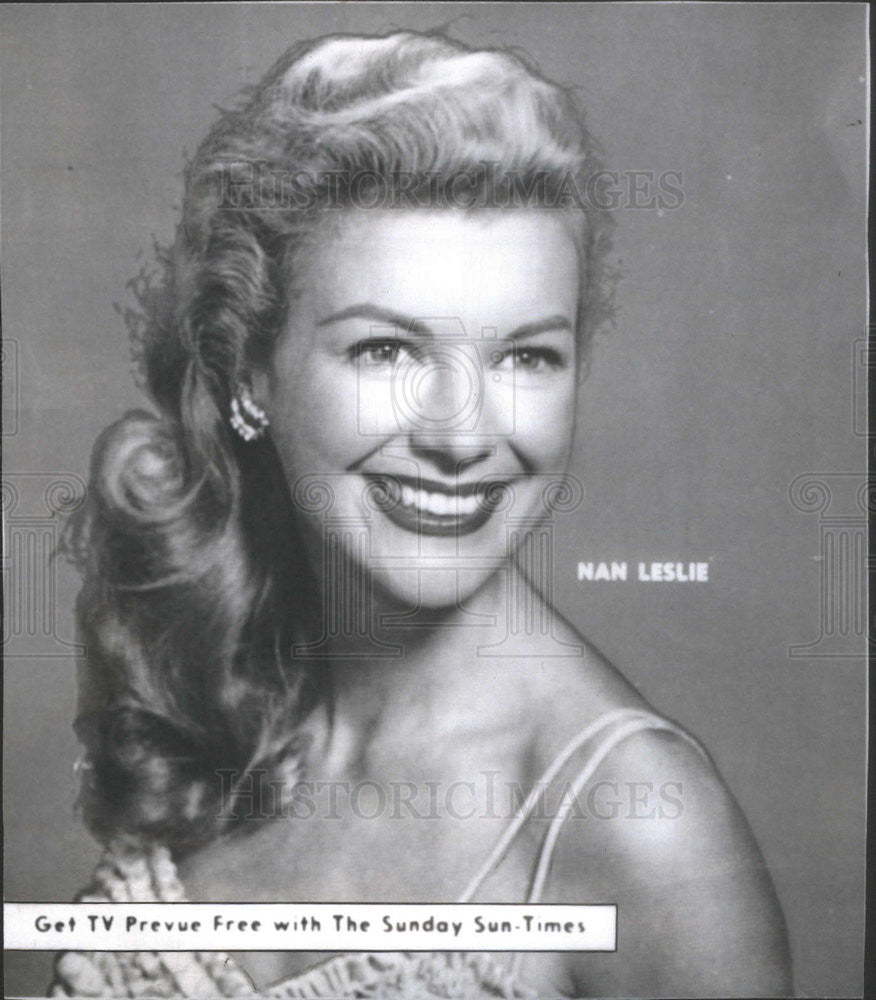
<point>324,558</point>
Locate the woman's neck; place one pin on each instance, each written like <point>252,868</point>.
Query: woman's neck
<point>419,675</point>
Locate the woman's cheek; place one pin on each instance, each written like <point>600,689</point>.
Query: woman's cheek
<point>544,422</point>
<point>376,409</point>
<point>321,417</point>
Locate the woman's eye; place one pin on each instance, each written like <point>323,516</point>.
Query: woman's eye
<point>376,353</point>
<point>531,359</point>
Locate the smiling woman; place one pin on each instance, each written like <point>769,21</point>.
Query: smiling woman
<point>383,375</point>
<point>324,558</point>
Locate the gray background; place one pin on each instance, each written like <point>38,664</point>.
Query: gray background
<point>729,373</point>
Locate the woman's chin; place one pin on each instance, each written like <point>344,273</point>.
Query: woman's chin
<point>436,589</point>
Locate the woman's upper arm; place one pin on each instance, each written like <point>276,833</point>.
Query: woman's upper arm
<point>697,912</point>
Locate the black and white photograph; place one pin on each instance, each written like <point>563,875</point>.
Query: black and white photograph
<point>434,499</point>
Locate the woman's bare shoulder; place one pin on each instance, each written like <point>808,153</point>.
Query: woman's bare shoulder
<point>571,684</point>
<point>656,830</point>
<point>665,839</point>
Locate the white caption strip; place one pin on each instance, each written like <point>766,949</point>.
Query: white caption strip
<point>308,927</point>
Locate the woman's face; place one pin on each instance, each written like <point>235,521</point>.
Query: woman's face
<point>429,360</point>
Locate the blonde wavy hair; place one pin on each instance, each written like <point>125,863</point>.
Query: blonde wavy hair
<point>195,591</point>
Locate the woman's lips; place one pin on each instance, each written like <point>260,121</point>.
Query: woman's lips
<point>427,507</point>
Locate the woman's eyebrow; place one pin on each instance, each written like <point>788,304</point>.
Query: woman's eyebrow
<point>378,314</point>
<point>367,310</point>
<point>558,322</point>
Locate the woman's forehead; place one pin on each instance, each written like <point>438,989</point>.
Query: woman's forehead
<point>445,223</point>
<point>426,254</point>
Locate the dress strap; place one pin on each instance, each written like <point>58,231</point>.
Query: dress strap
<point>625,723</point>
<point>638,723</point>
<point>634,717</point>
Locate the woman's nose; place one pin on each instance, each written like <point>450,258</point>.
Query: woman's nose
<point>441,401</point>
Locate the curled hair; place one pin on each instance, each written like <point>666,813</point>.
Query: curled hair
<point>194,590</point>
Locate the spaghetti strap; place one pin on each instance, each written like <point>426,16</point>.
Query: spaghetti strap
<point>629,728</point>
<point>637,718</point>
<point>634,721</point>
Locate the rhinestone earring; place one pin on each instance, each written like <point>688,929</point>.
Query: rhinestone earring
<point>249,420</point>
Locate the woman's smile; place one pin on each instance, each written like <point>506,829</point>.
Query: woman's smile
<point>426,507</point>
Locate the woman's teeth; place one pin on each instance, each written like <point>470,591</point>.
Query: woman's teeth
<point>440,504</point>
